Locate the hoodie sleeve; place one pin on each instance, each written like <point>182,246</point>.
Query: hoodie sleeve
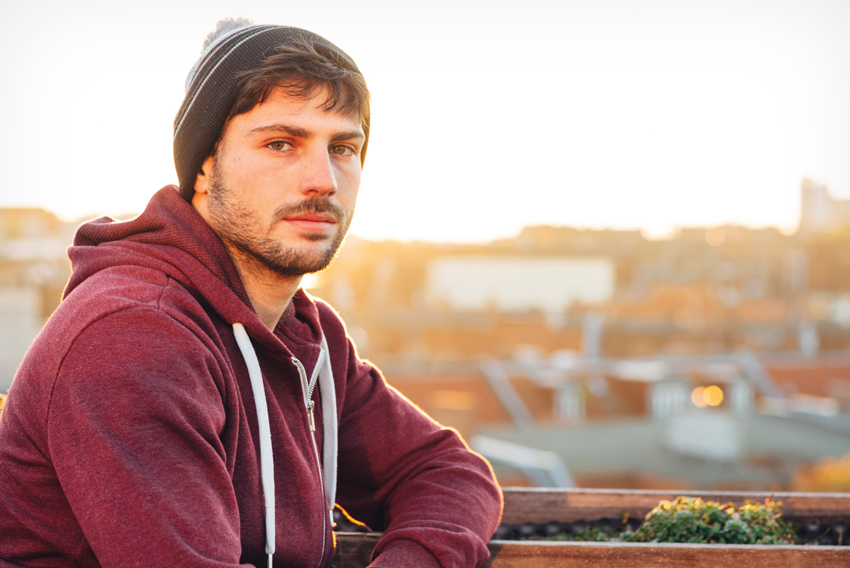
<point>133,432</point>
<point>400,472</point>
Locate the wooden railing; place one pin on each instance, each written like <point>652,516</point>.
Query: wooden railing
<point>541,505</point>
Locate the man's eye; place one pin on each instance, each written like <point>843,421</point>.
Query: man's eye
<point>280,145</point>
<point>341,150</point>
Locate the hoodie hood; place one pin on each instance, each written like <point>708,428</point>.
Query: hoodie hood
<point>172,238</point>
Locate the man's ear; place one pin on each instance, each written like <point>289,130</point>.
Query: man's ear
<point>204,179</point>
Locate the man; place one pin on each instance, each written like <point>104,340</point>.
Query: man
<point>188,404</point>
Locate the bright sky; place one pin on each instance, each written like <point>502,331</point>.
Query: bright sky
<point>487,116</point>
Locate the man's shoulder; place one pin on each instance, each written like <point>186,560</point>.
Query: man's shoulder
<point>326,311</point>
<point>119,284</point>
<point>343,341</point>
<point>122,287</point>
<point>126,293</point>
<point>333,325</point>
<point>116,318</point>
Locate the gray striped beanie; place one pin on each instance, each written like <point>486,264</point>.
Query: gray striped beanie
<point>212,87</point>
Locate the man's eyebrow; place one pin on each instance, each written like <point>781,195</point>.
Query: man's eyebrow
<point>299,132</point>
<point>349,135</point>
<point>292,130</point>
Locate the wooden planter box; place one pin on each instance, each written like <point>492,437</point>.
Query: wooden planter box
<point>542,505</point>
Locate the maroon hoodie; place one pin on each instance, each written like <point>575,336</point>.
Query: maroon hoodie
<point>130,436</point>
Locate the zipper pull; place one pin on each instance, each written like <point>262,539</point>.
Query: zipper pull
<point>312,418</point>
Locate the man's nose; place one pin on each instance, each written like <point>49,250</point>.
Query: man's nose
<point>318,174</point>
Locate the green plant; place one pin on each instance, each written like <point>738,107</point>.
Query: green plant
<point>692,520</point>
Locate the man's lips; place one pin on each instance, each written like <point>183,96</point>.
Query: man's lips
<point>312,221</point>
<point>313,217</point>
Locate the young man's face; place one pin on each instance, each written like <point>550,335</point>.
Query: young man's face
<point>280,190</point>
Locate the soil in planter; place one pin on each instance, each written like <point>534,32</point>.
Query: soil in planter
<point>623,529</point>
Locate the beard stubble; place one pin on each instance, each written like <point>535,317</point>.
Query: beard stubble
<point>251,241</point>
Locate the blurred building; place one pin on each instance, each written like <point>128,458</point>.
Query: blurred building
<point>705,290</point>
<point>820,212</point>
<point>511,284</point>
<point>33,271</point>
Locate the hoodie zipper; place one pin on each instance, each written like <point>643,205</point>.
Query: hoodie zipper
<point>308,387</point>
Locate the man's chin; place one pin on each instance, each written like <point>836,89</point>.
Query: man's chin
<point>297,261</point>
<point>319,237</point>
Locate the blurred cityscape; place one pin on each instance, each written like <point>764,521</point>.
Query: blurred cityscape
<point>718,358</point>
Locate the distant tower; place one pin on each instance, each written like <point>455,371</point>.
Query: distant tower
<point>815,209</point>
<point>819,211</point>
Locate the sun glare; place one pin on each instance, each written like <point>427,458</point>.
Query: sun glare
<point>310,281</point>
<point>693,123</point>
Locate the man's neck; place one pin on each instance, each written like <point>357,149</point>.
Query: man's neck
<point>269,292</point>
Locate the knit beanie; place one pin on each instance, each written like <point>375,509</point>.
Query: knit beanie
<point>212,85</point>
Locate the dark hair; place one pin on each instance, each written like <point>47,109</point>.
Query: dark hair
<point>302,69</point>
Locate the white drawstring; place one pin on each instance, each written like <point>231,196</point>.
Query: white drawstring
<point>329,423</point>
<point>266,458</point>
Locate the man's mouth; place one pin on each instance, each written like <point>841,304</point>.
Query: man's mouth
<point>315,223</point>
<point>313,218</point>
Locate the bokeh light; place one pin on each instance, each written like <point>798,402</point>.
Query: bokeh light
<point>713,395</point>
<point>707,396</point>
<point>698,397</point>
